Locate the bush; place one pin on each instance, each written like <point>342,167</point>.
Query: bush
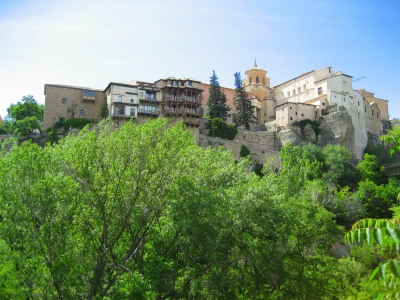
<point>77,123</point>
<point>220,128</point>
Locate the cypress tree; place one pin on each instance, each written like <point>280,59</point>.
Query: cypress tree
<point>244,109</point>
<point>217,107</point>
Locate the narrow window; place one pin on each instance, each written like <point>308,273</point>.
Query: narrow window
<point>291,118</point>
<point>251,80</point>
<point>132,100</point>
<point>133,111</point>
<point>320,91</point>
<point>304,87</point>
<point>119,98</point>
<point>257,79</point>
<point>365,109</point>
<point>323,103</point>
<point>290,107</point>
<point>288,94</point>
<point>302,115</point>
<point>298,90</point>
<point>293,92</point>
<point>189,83</point>
<point>82,112</point>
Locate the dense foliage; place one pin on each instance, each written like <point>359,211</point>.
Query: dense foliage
<point>216,104</point>
<point>142,212</point>
<point>244,109</point>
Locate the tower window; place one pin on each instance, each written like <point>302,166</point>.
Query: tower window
<point>257,80</point>
<point>251,80</point>
<point>320,91</point>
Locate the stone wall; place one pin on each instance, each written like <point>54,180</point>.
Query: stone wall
<point>262,144</point>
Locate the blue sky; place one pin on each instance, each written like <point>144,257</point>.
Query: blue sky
<point>90,43</point>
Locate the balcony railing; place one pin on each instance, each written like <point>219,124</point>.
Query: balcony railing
<point>181,112</point>
<point>149,112</point>
<point>195,100</point>
<point>121,114</point>
<point>150,98</point>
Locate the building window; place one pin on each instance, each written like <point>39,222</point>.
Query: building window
<point>298,90</point>
<point>358,103</point>
<point>257,80</point>
<point>82,112</point>
<point>182,83</point>
<point>288,94</point>
<point>175,83</point>
<point>116,124</point>
<point>293,92</point>
<point>132,100</point>
<point>63,100</point>
<point>169,82</point>
<point>251,80</point>
<point>189,83</point>
<point>296,113</point>
<point>61,120</point>
<point>302,115</point>
<point>290,107</point>
<point>320,91</point>
<point>133,111</point>
<point>372,113</point>
<point>365,109</point>
<point>304,87</point>
<point>323,103</point>
<point>119,98</point>
<point>377,114</point>
<point>291,118</point>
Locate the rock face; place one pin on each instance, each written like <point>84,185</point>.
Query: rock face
<point>337,129</point>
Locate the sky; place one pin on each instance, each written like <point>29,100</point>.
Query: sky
<point>91,43</point>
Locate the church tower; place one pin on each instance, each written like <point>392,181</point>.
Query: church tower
<point>257,85</point>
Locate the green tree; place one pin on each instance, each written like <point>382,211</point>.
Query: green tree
<point>217,107</point>
<point>25,116</point>
<point>244,109</point>
<point>27,107</point>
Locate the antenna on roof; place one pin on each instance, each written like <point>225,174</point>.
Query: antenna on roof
<point>358,78</point>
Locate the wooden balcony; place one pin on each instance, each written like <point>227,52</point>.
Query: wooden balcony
<point>181,112</point>
<point>182,99</point>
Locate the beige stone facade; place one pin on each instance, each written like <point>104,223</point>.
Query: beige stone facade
<point>63,102</point>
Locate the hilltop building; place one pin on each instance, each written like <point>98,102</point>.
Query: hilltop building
<point>307,96</point>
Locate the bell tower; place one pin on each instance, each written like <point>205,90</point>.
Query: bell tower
<point>257,84</point>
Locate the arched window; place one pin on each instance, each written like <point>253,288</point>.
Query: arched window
<point>257,80</point>
<point>251,80</point>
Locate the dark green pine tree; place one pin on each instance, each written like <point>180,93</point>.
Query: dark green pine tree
<point>244,109</point>
<point>217,107</point>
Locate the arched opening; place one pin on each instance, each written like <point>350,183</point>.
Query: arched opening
<point>257,80</point>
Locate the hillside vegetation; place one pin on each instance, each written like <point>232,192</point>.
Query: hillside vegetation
<point>144,213</point>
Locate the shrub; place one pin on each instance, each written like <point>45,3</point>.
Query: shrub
<point>222,129</point>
